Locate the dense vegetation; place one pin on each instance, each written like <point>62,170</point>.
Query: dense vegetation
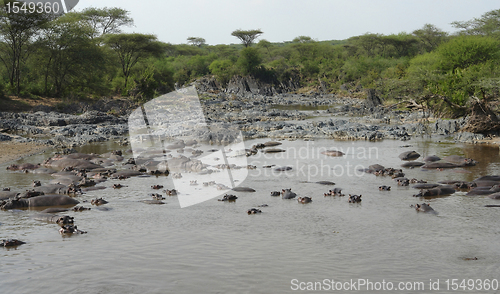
<point>85,54</point>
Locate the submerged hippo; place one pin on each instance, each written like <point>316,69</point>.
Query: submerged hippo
<point>409,155</point>
<point>483,190</point>
<point>275,193</point>
<point>172,192</point>
<point>271,144</point>
<point>287,194</point>
<point>335,153</point>
<point>354,198</point>
<point>431,158</point>
<point>273,150</point>
<point>154,201</point>
<point>254,211</point>
<point>494,178</point>
<point>425,186</point>
<point>157,187</point>
<point>98,201</point>
<point>460,160</point>
<point>56,219</point>
<point>411,164</point>
<point>304,200</point>
<point>440,164</point>
<point>11,243</point>
<point>423,208</point>
<point>437,191</point>
<point>39,201</point>
<point>335,192</point>
<point>157,196</point>
<point>325,183</point>
<point>80,208</point>
<point>282,168</point>
<point>70,229</point>
<point>229,198</point>
<point>384,188</point>
<point>243,189</point>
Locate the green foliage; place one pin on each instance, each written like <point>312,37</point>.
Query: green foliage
<point>247,36</point>
<point>223,70</point>
<point>249,61</point>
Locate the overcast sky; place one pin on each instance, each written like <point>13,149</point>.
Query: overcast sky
<point>283,20</point>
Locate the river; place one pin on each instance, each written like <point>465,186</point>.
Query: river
<point>216,247</point>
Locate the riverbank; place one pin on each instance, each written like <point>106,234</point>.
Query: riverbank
<point>280,116</point>
<point>13,150</point>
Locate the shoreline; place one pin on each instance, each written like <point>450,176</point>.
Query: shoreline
<point>13,151</point>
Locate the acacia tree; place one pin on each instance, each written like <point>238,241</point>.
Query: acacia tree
<point>247,37</point>
<point>106,20</point>
<point>488,24</point>
<point>18,32</point>
<point>131,48</point>
<point>195,41</point>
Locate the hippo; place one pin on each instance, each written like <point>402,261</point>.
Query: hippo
<point>193,183</point>
<point>335,192</point>
<point>460,160</point>
<point>118,186</point>
<point>23,167</point>
<point>4,195</point>
<point>172,192</point>
<point>80,208</point>
<point>11,243</point>
<point>304,200</point>
<point>354,198</point>
<point>398,175</point>
<point>157,187</point>
<point>484,190</point>
<point>325,183</point>
<point>402,181</point>
<point>384,188</point>
<point>36,183</point>
<point>412,164</point>
<point>154,201</point>
<point>440,164</point>
<point>443,190</point>
<point>409,155</point>
<point>29,194</point>
<point>423,208</point>
<point>273,150</point>
<point>376,167</point>
<point>95,188</point>
<point>98,201</point>
<point>495,195</point>
<point>58,189</point>
<point>275,193</point>
<point>125,174</point>
<point>54,210</point>
<point>263,205</point>
<point>74,164</point>
<point>494,178</point>
<point>271,144</point>
<point>431,158</point>
<point>425,186</point>
<point>229,198</point>
<point>243,189</point>
<point>334,153</point>
<point>157,196</point>
<point>287,194</point>
<point>39,201</point>
<point>254,211</point>
<point>283,168</point>
<point>259,146</point>
<point>70,229</point>
<point>57,219</point>
<point>415,181</point>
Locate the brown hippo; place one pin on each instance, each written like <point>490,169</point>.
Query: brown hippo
<point>334,153</point>
<point>460,160</point>
<point>483,190</point>
<point>424,208</point>
<point>39,201</point>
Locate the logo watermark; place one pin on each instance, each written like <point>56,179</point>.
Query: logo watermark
<point>55,7</point>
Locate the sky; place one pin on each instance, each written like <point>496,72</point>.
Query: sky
<point>283,20</point>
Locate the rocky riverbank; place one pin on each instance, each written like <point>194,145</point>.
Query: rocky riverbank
<point>280,116</point>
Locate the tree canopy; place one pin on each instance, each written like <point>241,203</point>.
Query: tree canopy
<point>247,37</point>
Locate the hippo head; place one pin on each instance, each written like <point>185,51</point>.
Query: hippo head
<point>12,167</point>
<point>64,220</point>
<point>12,204</point>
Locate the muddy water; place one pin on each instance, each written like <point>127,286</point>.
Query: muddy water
<point>215,247</point>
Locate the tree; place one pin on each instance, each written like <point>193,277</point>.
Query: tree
<point>131,48</point>
<point>17,34</point>
<point>265,44</point>
<point>249,60</point>
<point>106,20</point>
<point>247,37</point>
<point>198,42</point>
<point>488,25</point>
<point>303,39</point>
<point>430,37</point>
<point>69,53</point>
